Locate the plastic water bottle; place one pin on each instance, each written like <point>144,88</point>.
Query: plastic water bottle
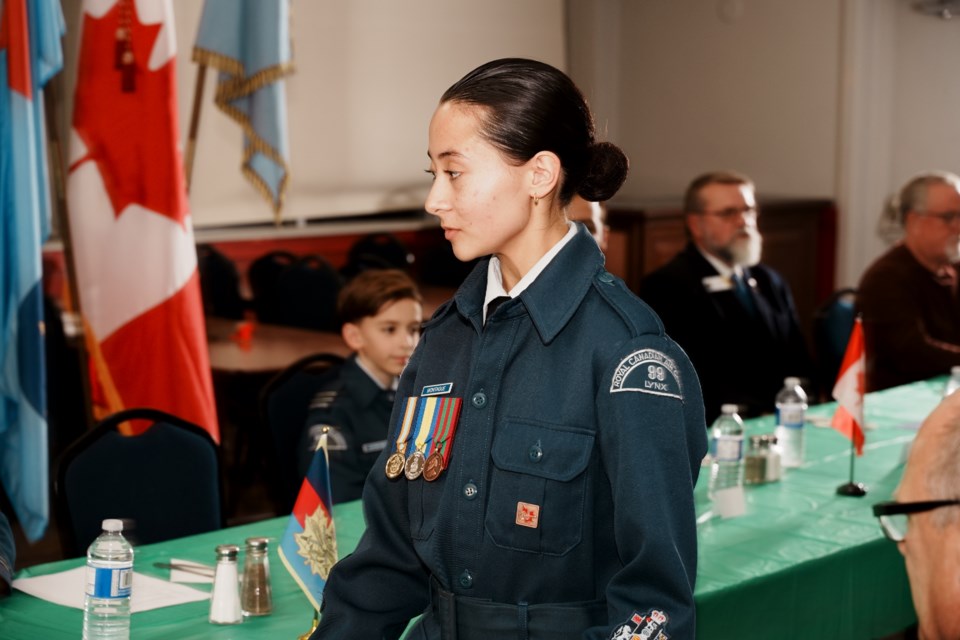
<point>106,606</point>
<point>726,449</point>
<point>953,383</point>
<point>791,414</point>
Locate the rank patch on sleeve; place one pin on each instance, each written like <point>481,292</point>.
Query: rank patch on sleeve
<point>648,371</point>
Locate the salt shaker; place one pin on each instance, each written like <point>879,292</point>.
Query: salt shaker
<point>255,593</point>
<point>225,600</point>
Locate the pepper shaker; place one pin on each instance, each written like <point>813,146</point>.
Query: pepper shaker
<point>255,595</point>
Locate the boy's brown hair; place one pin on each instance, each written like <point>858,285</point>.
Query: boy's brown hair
<point>369,290</point>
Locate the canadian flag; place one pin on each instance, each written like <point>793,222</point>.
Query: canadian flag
<point>135,257</point>
<point>849,389</point>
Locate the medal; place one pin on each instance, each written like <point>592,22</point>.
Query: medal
<point>395,462</point>
<point>414,466</point>
<point>433,467</point>
<point>395,465</point>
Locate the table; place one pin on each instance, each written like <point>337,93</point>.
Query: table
<point>803,562</point>
<point>270,348</point>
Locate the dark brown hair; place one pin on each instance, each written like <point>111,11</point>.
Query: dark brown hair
<point>370,290</point>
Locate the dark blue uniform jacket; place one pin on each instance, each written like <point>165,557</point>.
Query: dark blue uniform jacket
<point>575,401</point>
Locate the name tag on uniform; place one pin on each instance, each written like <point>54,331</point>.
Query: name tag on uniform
<point>371,447</point>
<point>437,389</point>
<point>714,284</point>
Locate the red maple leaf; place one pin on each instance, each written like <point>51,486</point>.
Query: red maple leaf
<point>133,137</point>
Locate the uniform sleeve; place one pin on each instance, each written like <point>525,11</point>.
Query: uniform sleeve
<point>652,441</point>
<point>378,589</point>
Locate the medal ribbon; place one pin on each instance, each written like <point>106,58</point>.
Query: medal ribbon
<point>406,421</point>
<point>451,415</point>
<point>426,422</point>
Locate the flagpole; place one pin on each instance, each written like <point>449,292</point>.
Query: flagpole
<point>194,123</point>
<point>50,102</point>
<point>852,489</point>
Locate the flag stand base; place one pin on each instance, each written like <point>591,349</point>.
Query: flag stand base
<point>852,489</point>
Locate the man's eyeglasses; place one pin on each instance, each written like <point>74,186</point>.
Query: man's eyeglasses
<point>948,217</point>
<point>730,213</point>
<point>894,515</point>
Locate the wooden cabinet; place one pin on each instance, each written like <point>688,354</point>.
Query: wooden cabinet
<point>799,240</point>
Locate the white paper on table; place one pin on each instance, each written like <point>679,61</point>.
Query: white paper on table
<point>177,575</point>
<point>67,588</point>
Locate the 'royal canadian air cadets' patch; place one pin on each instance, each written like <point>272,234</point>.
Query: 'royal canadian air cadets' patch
<point>648,371</point>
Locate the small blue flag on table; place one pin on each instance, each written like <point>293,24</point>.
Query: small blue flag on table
<point>309,545</point>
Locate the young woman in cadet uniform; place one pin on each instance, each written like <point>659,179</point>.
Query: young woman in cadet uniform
<point>547,436</point>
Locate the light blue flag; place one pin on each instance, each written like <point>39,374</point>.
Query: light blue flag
<point>30,54</point>
<point>248,41</point>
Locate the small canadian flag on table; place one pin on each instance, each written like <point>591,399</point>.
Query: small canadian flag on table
<point>849,389</point>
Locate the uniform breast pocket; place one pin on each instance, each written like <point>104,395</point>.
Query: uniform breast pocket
<point>537,490</point>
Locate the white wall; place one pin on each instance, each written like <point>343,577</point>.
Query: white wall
<point>820,98</point>
<point>368,76</point>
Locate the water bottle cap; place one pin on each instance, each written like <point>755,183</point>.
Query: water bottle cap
<point>791,381</point>
<point>729,408</point>
<point>113,525</point>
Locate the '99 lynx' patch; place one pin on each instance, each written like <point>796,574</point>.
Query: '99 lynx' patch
<point>648,371</point>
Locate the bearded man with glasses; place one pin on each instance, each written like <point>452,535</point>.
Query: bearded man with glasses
<point>924,521</point>
<point>908,296</point>
<point>734,316</point>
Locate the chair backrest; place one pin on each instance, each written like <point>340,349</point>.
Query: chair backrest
<point>377,251</point>
<point>263,275</point>
<point>219,284</point>
<point>832,325</point>
<point>307,294</point>
<point>284,405</point>
<point>165,482</point>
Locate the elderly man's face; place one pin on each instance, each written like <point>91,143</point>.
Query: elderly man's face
<point>727,225</point>
<point>936,239</point>
<point>931,552</point>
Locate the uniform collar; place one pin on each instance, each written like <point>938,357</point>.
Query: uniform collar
<point>550,300</point>
<point>364,388</point>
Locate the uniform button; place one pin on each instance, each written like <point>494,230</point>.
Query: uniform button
<point>466,579</point>
<point>605,277</point>
<point>479,399</point>
<point>535,453</point>
<point>470,491</point>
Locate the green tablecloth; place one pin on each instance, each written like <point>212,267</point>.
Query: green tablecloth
<point>802,563</point>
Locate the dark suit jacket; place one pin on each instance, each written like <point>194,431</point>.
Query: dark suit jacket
<point>740,358</point>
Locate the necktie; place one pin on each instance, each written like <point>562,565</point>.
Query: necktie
<point>744,294</point>
<point>494,304</point>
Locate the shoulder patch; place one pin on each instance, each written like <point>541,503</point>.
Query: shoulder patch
<point>648,371</point>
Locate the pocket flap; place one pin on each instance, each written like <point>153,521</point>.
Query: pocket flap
<point>555,452</point>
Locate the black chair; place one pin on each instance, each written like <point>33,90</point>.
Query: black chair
<point>377,251</point>
<point>306,294</point>
<point>165,482</point>
<point>284,405</point>
<point>219,284</point>
<point>264,274</point>
<point>832,325</point>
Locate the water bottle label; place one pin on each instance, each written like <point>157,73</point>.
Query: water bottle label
<point>728,448</point>
<point>790,415</point>
<point>109,582</point>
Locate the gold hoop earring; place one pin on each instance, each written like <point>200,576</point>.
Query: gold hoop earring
<point>536,199</point>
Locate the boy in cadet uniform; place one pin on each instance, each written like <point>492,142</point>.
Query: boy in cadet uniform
<point>381,313</point>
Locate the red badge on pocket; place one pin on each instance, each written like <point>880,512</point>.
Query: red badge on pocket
<point>528,515</point>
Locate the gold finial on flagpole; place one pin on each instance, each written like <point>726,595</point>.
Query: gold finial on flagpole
<point>313,627</point>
